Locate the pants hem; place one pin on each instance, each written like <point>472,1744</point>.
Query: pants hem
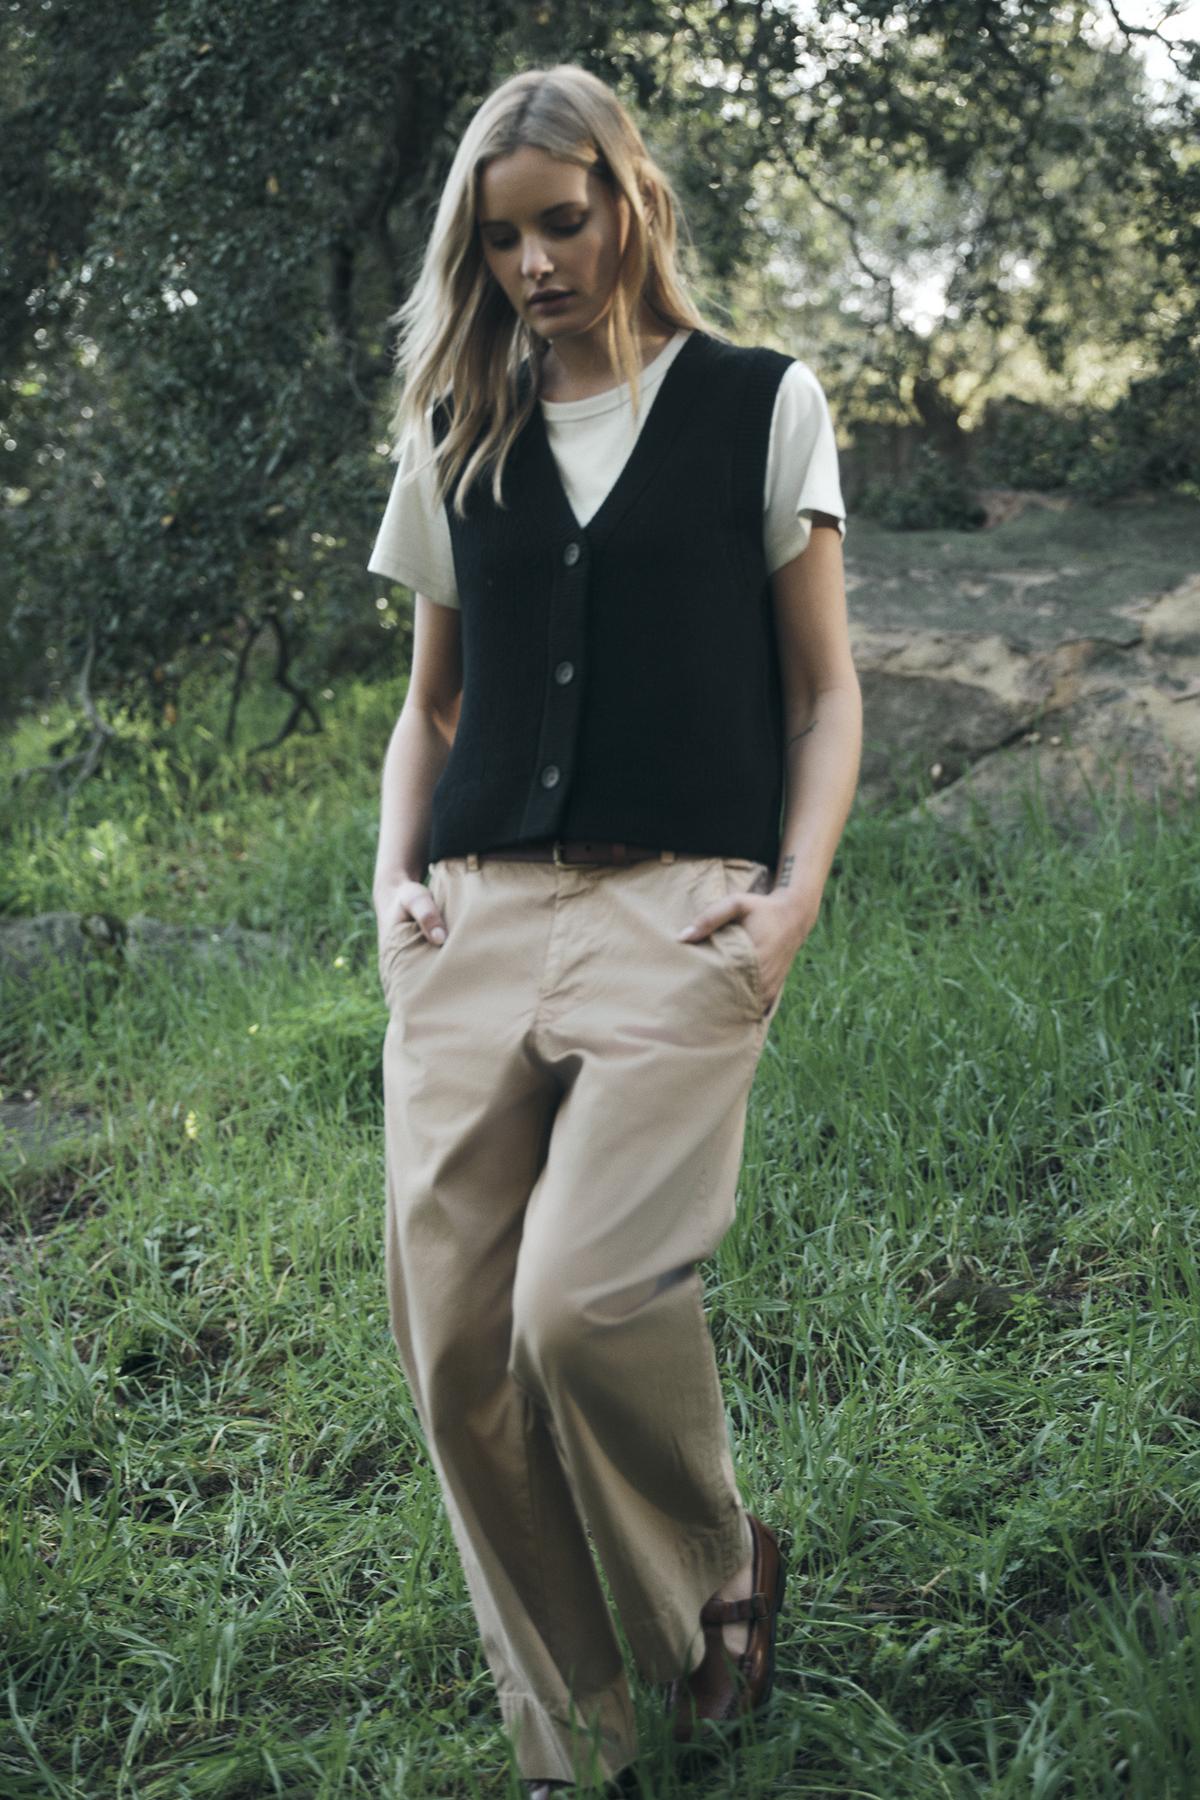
<point>716,1556</point>
<point>595,1743</point>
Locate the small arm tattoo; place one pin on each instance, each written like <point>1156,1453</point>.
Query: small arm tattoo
<point>799,734</point>
<point>785,871</point>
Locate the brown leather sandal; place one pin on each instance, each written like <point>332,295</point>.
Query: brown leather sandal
<point>723,1687</point>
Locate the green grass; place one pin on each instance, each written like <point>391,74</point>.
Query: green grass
<point>957,1316</point>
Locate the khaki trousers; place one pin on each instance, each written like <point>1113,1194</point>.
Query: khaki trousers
<point>565,1089</point>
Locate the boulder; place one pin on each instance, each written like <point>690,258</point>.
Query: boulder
<point>984,686</point>
<point>27,944</point>
<point>34,1131</point>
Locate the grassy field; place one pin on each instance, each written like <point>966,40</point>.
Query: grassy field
<point>958,1319</point>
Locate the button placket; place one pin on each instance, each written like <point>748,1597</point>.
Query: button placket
<point>551,775</point>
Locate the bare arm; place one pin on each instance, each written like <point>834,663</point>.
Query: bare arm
<point>822,710</point>
<point>822,717</point>
<point>417,752</point>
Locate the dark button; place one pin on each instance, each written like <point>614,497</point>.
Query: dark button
<point>550,775</point>
<point>571,555</point>
<point>563,672</point>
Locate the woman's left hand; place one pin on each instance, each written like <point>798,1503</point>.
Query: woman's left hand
<point>778,924</point>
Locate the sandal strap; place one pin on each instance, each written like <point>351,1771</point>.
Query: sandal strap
<point>723,1612</point>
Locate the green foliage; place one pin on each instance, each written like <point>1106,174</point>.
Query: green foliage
<point>179,822</point>
<point>1030,446</point>
<point>1149,441</point>
<point>209,211</point>
<point>1146,442</point>
<point>212,348</point>
<point>938,493</point>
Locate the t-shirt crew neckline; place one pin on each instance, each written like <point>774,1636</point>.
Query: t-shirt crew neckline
<point>561,411</point>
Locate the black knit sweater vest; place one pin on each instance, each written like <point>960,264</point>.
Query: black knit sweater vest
<point>621,678</point>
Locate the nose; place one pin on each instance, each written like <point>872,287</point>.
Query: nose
<point>534,260</point>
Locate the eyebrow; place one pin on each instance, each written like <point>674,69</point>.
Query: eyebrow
<point>559,206</point>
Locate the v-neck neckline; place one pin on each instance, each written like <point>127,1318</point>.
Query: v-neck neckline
<point>668,409</point>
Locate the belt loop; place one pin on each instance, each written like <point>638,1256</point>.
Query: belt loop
<point>667,855</point>
<point>472,859</point>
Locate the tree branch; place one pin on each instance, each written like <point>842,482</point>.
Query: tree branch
<point>301,703</point>
<point>90,754</point>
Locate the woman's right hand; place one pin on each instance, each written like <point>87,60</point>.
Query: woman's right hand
<point>409,899</point>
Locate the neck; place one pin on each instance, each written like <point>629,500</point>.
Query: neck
<point>580,362</point>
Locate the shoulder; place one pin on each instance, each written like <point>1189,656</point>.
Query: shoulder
<point>743,360</point>
<point>794,381</point>
<point>742,382</point>
<point>801,382</point>
<point>800,403</point>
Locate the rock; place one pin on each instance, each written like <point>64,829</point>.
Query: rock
<point>1108,742</point>
<point>1002,504</point>
<point>987,1300</point>
<point>41,1127</point>
<point>26,945</point>
<point>985,686</point>
<point>920,721</point>
<point>151,937</point>
<point>32,1132</point>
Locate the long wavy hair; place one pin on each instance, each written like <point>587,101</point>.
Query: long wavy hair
<point>460,338</point>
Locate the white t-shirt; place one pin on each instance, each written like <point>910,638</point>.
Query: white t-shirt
<point>591,440</point>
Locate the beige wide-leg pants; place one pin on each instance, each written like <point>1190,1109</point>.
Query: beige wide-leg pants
<point>565,1089</point>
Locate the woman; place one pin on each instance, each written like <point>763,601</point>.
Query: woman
<point>631,654</point>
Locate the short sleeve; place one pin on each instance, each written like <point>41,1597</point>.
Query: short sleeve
<point>802,467</point>
<point>413,542</point>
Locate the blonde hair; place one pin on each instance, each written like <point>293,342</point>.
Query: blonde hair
<point>459,336</point>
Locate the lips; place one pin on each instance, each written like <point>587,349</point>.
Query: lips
<point>549,294</point>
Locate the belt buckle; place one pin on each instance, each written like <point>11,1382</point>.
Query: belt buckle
<point>563,862</point>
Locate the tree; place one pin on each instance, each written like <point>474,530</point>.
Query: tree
<point>209,211</point>
<point>187,359</point>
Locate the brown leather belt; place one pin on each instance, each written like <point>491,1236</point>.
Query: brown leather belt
<point>572,850</point>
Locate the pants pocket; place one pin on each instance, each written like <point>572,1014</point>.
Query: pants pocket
<point>406,934</point>
<point>732,942</point>
<point>742,876</point>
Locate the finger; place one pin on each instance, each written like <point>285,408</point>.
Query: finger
<point>433,925</point>
<point>706,923</point>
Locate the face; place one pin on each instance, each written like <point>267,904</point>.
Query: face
<point>549,226</point>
